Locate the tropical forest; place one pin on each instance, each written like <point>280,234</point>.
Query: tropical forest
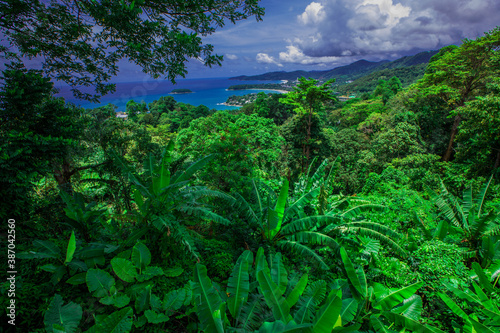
<point>355,202</point>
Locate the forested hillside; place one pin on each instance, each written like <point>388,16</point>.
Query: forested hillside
<point>294,213</point>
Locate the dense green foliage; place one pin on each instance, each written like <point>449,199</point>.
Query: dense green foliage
<point>296,213</point>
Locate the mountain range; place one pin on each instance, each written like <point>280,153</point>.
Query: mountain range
<point>360,76</point>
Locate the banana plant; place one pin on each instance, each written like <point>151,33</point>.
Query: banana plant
<point>483,298</point>
<point>480,231</point>
<point>165,200</point>
<point>378,308</point>
<point>262,299</point>
<point>280,223</point>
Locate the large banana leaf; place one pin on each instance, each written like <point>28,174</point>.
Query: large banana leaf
<point>360,292</point>
<point>397,296</point>
<point>192,169</point>
<point>479,199</point>
<point>410,324</point>
<point>297,291</point>
<point>313,296</point>
<point>300,203</point>
<point>411,308</point>
<point>273,296</point>
<point>304,251</point>
<point>349,308</point>
<point>250,315</point>
<point>379,326</point>
<point>278,273</point>
<point>208,301</point>
<point>239,284</point>
<point>483,279</point>
<point>275,224</point>
<point>328,314</point>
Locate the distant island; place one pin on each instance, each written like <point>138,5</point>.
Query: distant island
<point>281,87</point>
<point>181,91</point>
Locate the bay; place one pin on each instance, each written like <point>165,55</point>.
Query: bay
<point>211,92</point>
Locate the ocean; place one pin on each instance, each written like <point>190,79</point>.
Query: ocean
<point>211,92</point>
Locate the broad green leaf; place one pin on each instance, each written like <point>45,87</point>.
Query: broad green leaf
<point>378,325</point>
<point>143,299</point>
<point>174,300</point>
<point>173,272</point>
<point>278,273</point>
<point>395,297</point>
<point>410,324</point>
<point>208,302</point>
<point>313,296</point>
<point>48,248</point>
<point>124,269</point>
<point>239,284</point>
<point>99,282</point>
<point>118,322</point>
<point>141,257</point>
<point>79,278</point>
<point>352,276</point>
<point>280,208</point>
<point>411,308</point>
<point>260,260</point>
<point>328,314</point>
<point>67,316</point>
<point>273,296</point>
<point>297,291</point>
<point>349,308</point>
<point>71,248</point>
<point>454,307</point>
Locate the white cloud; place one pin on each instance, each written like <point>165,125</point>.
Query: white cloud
<point>313,14</point>
<point>265,58</point>
<point>231,56</point>
<point>296,56</point>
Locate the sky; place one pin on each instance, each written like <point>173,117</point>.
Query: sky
<point>324,34</point>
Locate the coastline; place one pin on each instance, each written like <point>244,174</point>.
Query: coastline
<point>280,91</point>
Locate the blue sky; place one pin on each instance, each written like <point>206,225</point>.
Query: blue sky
<point>324,34</point>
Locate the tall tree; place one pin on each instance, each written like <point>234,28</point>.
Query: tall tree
<point>82,41</point>
<point>308,98</point>
<point>459,74</point>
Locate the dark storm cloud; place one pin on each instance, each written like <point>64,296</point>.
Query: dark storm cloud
<point>380,27</point>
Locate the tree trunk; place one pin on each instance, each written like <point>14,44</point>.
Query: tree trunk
<point>63,177</point>
<point>454,131</point>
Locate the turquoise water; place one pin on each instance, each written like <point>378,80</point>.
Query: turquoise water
<point>210,92</point>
